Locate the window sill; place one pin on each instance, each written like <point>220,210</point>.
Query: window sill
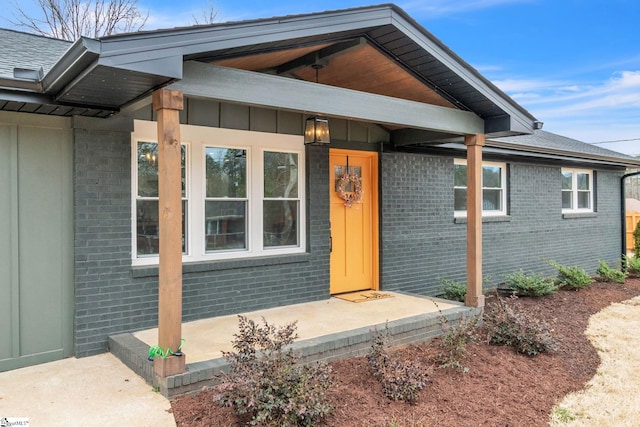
<point>218,265</point>
<point>485,219</point>
<point>577,215</point>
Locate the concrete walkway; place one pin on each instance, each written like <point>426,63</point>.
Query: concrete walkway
<point>87,392</point>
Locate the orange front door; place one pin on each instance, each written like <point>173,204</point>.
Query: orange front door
<point>354,229</point>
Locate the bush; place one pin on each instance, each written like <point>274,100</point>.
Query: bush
<point>454,291</point>
<point>267,383</point>
<point>453,343</point>
<point>533,284</point>
<point>507,325</point>
<point>633,265</point>
<point>608,274</point>
<point>571,277</point>
<point>400,380</point>
<point>636,239</point>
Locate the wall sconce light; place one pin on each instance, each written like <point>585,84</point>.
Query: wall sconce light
<point>317,128</point>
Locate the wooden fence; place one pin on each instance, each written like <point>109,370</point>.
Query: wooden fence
<point>632,219</point>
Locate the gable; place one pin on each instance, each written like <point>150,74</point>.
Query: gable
<point>376,50</point>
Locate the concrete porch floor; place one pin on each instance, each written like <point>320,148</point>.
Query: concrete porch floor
<point>327,330</point>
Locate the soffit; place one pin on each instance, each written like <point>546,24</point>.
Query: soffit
<point>361,67</point>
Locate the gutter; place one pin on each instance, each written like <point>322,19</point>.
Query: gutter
<point>82,54</point>
<point>578,156</point>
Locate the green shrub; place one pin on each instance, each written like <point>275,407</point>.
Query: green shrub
<point>571,277</point>
<point>507,325</point>
<point>456,291</point>
<point>633,265</point>
<point>453,291</point>
<point>267,383</point>
<point>400,380</point>
<point>453,343</point>
<point>636,239</point>
<point>608,274</point>
<point>532,284</point>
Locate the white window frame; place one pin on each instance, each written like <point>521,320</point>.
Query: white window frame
<point>503,187</point>
<point>574,190</point>
<point>197,138</point>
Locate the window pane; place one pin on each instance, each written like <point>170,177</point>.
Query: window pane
<point>148,238</point>
<point>491,177</point>
<point>280,175</point>
<point>584,200</point>
<point>460,199</point>
<point>225,225</point>
<point>583,181</point>
<point>567,183</point>
<point>226,170</point>
<point>567,200</point>
<point>460,175</point>
<point>280,223</point>
<point>492,200</point>
<point>147,169</point>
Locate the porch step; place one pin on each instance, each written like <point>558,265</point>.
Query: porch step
<point>337,346</point>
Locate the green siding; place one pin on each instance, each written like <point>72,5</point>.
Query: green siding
<point>36,258</point>
<point>7,149</point>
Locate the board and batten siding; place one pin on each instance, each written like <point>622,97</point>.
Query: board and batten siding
<point>36,248</point>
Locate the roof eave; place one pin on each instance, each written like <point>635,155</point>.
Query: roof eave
<point>617,161</point>
<point>81,55</point>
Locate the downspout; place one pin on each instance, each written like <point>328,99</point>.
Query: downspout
<point>623,215</point>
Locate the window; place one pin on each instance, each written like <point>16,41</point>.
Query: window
<point>494,184</point>
<point>146,203</point>
<point>577,190</point>
<point>243,194</point>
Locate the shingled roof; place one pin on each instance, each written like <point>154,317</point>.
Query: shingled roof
<point>29,51</point>
<point>541,141</point>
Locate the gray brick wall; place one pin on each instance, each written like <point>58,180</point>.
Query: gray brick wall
<point>112,297</point>
<point>422,243</point>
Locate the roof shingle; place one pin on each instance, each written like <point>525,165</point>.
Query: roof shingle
<point>30,51</point>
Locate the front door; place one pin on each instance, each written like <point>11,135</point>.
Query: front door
<point>354,228</point>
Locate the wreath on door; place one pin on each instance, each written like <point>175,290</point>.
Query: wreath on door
<point>350,197</point>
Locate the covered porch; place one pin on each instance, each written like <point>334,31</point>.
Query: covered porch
<point>328,330</point>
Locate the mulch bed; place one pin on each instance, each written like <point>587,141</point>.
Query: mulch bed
<point>502,388</point>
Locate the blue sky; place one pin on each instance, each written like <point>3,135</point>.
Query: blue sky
<point>574,64</point>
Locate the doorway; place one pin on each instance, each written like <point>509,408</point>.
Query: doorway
<point>354,226</point>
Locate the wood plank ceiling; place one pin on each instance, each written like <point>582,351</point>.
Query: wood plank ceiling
<point>359,66</point>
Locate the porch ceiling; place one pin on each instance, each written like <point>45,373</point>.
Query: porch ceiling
<point>362,67</point>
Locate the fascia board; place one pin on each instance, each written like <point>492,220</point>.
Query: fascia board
<point>191,41</point>
<point>82,54</point>
<point>562,154</point>
<point>522,121</point>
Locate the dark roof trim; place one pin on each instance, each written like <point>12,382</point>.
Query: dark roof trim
<point>82,55</point>
<point>620,161</point>
<point>541,153</point>
<point>521,117</point>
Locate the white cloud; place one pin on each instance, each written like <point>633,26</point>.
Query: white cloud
<point>590,111</point>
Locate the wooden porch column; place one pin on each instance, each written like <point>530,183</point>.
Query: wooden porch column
<point>167,104</point>
<point>474,297</point>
